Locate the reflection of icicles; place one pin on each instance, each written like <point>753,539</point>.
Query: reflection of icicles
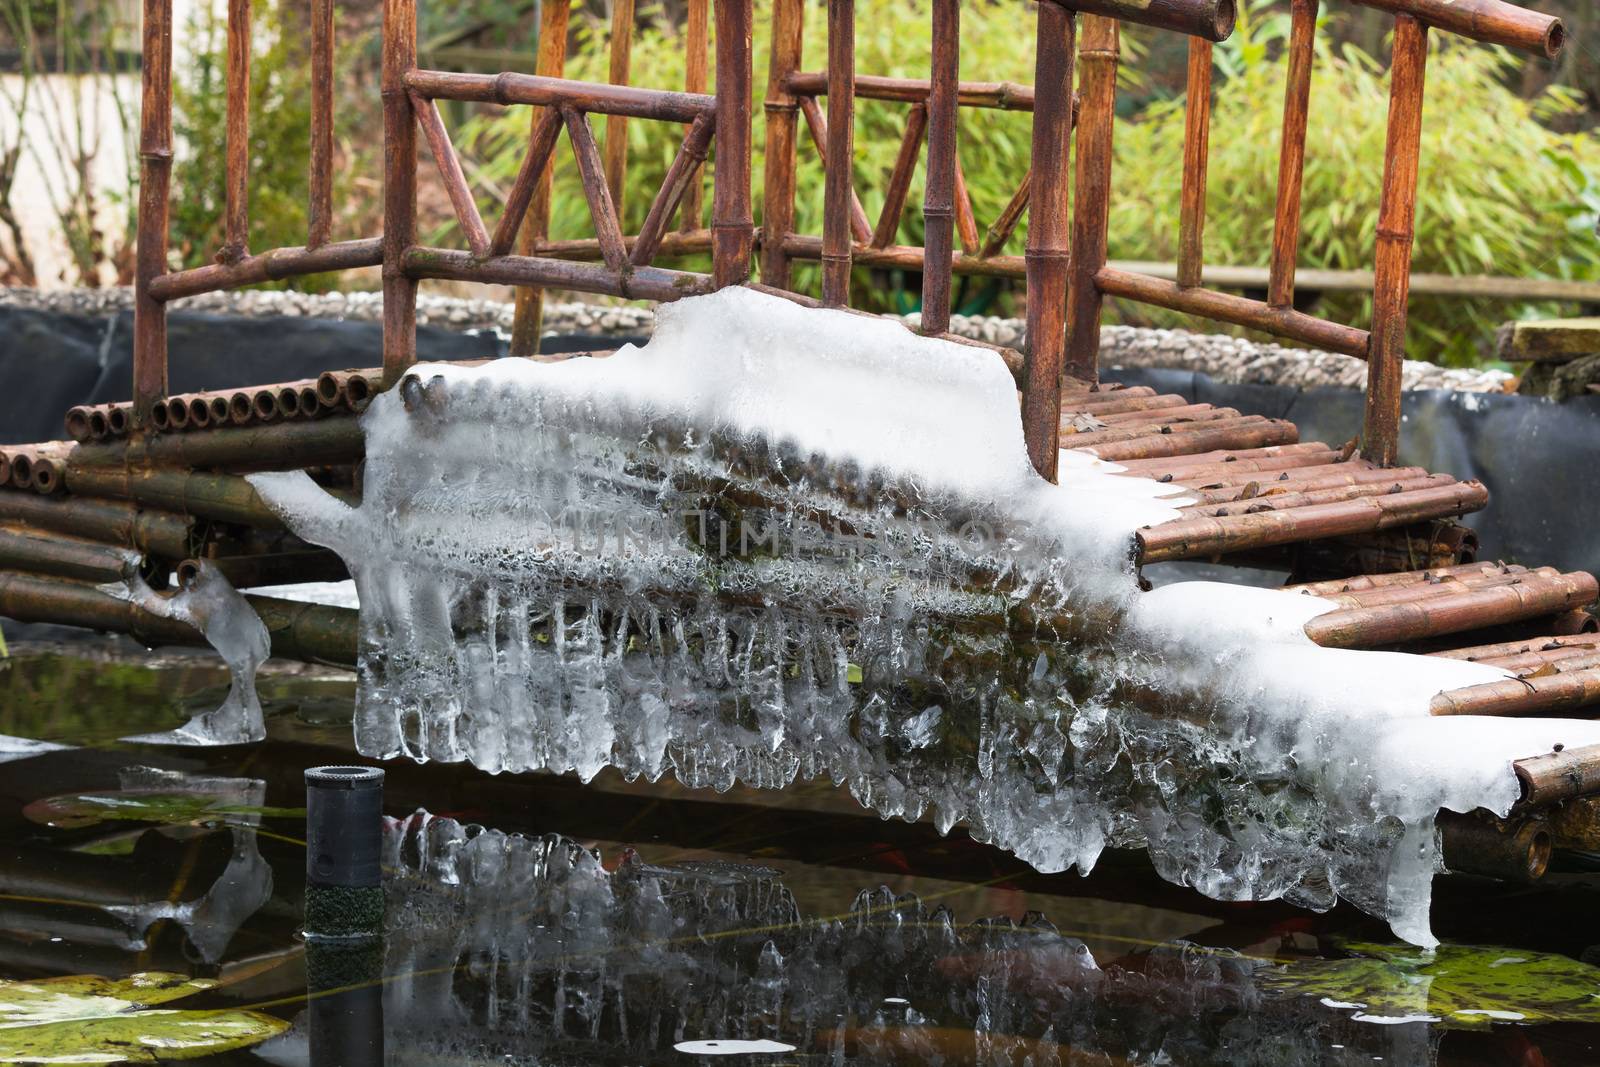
<point>504,949</point>
<point>209,603</point>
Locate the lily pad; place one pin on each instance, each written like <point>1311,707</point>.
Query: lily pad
<point>90,1019</point>
<point>73,811</point>
<point>1461,987</point>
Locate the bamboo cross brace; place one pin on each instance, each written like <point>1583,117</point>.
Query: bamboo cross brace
<point>546,129</point>
<point>894,200</point>
<point>455,179</point>
<point>817,126</point>
<point>966,222</point>
<point>1005,224</point>
<point>682,176</point>
<point>592,173</point>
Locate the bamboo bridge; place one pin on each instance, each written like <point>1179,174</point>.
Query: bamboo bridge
<point>155,484</point>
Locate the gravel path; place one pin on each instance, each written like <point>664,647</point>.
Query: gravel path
<point>1224,358</point>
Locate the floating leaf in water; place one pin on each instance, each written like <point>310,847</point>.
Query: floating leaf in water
<point>73,811</point>
<point>1459,986</point>
<point>90,1019</point>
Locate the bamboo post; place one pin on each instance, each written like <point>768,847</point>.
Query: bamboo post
<point>236,190</point>
<point>155,180</point>
<point>528,317</point>
<point>938,205</point>
<point>841,153</point>
<point>1292,153</point>
<point>1098,47</point>
<point>894,198</point>
<point>616,148</point>
<point>732,229</point>
<point>1391,276</point>
<point>1196,145</point>
<point>320,212</point>
<point>782,123</point>
<point>697,35</point>
<point>399,189</point>
<point>1046,255</point>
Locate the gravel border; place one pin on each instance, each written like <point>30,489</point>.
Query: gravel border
<point>1223,357</point>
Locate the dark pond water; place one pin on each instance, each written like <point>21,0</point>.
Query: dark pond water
<point>530,920</point>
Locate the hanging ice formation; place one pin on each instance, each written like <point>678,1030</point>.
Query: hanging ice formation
<point>780,542</point>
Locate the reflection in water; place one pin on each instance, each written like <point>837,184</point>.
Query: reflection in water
<point>513,949</point>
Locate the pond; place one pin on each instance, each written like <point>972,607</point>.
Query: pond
<point>531,920</point>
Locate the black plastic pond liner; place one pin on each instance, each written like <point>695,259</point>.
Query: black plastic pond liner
<point>1540,459</point>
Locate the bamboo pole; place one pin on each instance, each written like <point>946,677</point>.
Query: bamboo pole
<point>1380,431</point>
<point>696,34</point>
<point>899,185</point>
<point>280,446</point>
<point>1097,51</point>
<point>781,110</point>
<point>966,221</point>
<point>817,127</point>
<point>591,171</point>
<point>268,266</point>
<point>938,204</point>
<point>1558,776</point>
<point>732,230</point>
<point>1292,153</point>
<point>999,96</point>
<point>1523,696</point>
<point>1478,843</point>
<point>1489,21</point>
<point>1210,19</point>
<point>837,184</point>
<point>399,188</point>
<point>1006,223</point>
<point>1046,256</point>
<point>451,174</point>
<point>155,532</point>
<point>662,105</point>
<point>530,175</point>
<point>639,283</point>
<point>682,177</point>
<point>1201,438</point>
<point>65,556</point>
<point>1396,623</point>
<point>155,180</point>
<point>1196,145</point>
<point>236,218</point>
<point>616,150</point>
<point>528,316</point>
<point>319,213</point>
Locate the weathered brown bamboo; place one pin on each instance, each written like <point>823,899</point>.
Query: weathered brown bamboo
<point>1420,591</point>
<point>1523,696</point>
<point>1397,209</point>
<point>907,257</point>
<point>1046,256</point>
<point>1177,412</point>
<point>1189,538</point>
<point>732,228</point>
<point>681,177</point>
<point>666,105</point>
<point>616,150</point>
<point>319,209</point>
<point>781,112</point>
<point>1225,307</point>
<point>65,556</point>
<point>938,202</point>
<point>541,145</point>
<point>528,316</point>
<point>236,187</point>
<point>838,186</point>
<point>155,181</point>
<point>1477,843</point>
<point>451,174</point>
<point>268,266</point>
<point>1501,651</point>
<point>155,532</point>
<point>817,127</point>
<point>1114,434</point>
<point>1267,487</point>
<point>1292,153</point>
<point>905,163</point>
<point>1490,21</point>
<point>1002,96</point>
<point>1558,776</point>
<point>1006,222</point>
<point>1198,439</point>
<point>399,187</point>
<point>1210,19</point>
<point>966,221</point>
<point>696,38</point>
<point>1098,47</point>
<point>1196,146</point>
<point>639,283</point>
<point>1396,623</point>
<point>1245,505</point>
<point>1559,658</point>
<point>591,171</point>
<point>280,446</point>
<point>96,422</point>
<point>1382,581</point>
